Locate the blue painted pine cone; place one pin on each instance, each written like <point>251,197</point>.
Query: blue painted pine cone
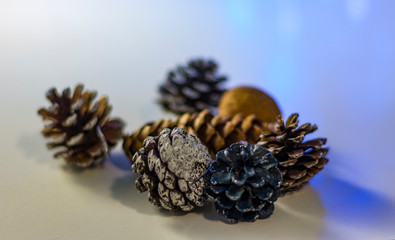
<point>244,181</point>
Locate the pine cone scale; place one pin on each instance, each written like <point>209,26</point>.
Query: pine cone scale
<point>317,154</point>
<point>48,115</point>
<point>307,162</point>
<point>313,143</point>
<point>296,173</point>
<point>296,153</point>
<point>288,163</point>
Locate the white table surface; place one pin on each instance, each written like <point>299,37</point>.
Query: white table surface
<point>331,61</point>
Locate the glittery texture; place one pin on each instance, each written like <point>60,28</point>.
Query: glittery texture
<point>244,181</point>
<point>169,164</point>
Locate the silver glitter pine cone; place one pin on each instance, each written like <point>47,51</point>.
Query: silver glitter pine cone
<point>169,165</point>
<point>244,181</point>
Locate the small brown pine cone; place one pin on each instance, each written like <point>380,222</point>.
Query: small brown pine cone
<point>80,129</point>
<point>298,161</point>
<point>170,165</point>
<point>215,132</point>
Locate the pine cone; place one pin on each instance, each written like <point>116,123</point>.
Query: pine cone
<point>170,165</point>
<point>215,132</point>
<point>298,161</point>
<point>79,127</point>
<point>192,88</point>
<point>244,181</point>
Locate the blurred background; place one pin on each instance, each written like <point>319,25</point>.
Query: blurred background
<point>332,61</point>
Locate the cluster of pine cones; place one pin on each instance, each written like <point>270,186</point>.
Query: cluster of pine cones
<point>243,158</point>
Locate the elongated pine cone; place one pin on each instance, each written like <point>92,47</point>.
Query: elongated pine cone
<point>81,130</point>
<point>169,165</point>
<point>215,132</point>
<point>298,161</point>
<point>244,181</point>
<point>192,88</point>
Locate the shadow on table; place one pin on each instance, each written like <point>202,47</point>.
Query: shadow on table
<point>123,189</point>
<point>298,214</point>
<point>121,161</point>
<point>353,205</point>
<point>311,213</point>
<point>33,146</point>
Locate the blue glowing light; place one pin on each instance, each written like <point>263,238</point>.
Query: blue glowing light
<point>349,204</point>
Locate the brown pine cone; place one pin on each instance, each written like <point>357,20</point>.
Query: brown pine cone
<point>80,128</point>
<point>170,165</point>
<point>215,132</point>
<point>298,161</point>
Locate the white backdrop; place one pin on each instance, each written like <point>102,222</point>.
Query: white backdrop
<point>331,61</point>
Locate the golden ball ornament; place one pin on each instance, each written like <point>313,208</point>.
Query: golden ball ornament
<point>248,100</point>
